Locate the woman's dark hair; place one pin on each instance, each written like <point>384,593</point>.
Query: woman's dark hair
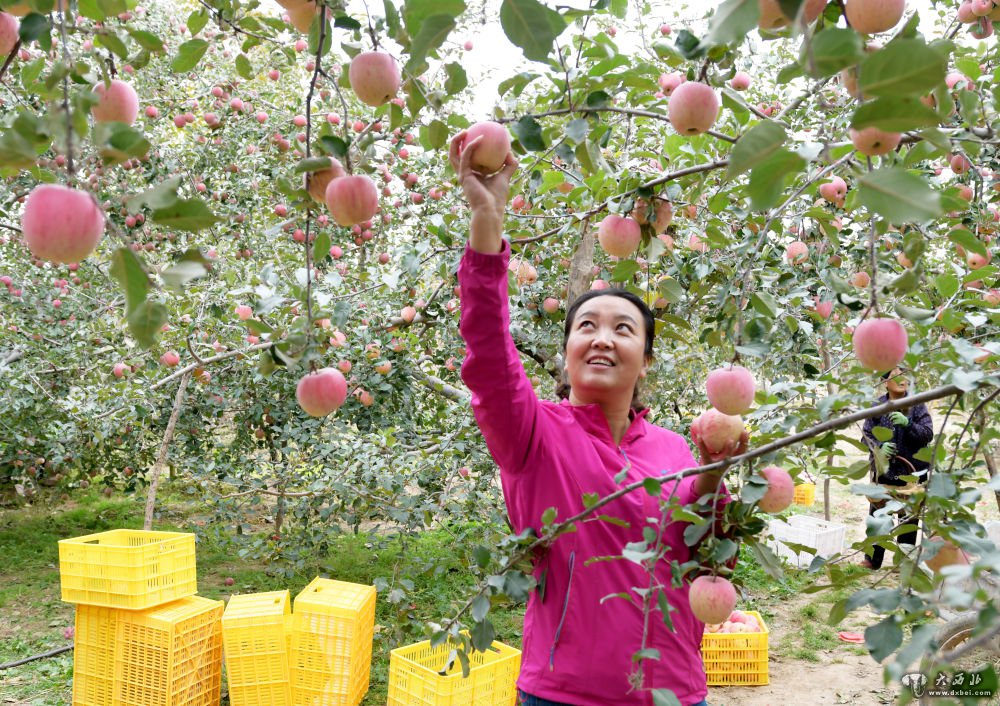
<point>562,389</point>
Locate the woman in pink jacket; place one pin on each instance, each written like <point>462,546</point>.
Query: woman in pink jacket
<point>578,639</point>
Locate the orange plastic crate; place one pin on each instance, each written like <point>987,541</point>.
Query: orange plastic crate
<point>94,655</point>
<point>805,494</point>
<point>170,655</point>
<point>736,659</point>
<point>417,677</point>
<point>256,629</point>
<point>131,569</point>
<point>333,629</point>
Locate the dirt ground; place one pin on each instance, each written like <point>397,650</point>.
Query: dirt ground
<point>841,675</point>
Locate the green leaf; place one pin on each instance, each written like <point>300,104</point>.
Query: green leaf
<point>179,274</point>
<point>321,246</point>
<point>653,486</point>
<point>731,22</point>
<point>146,321</point>
<point>881,433</point>
<point>131,275</point>
<point>531,26</point>
<point>243,66</point>
<point>831,50</point>
<point>480,607</point>
<point>32,27</point>
<point>767,180</point>
<point>391,18</point>
<point>190,215</point>
<point>457,79</point>
<point>899,196</point>
<point>894,115</point>
<point>624,270</point>
<point>481,555</point>
<point>529,133</point>
<point>334,146</point>
<point>577,130</point>
<point>482,635</point>
<point>946,285</point>
<point>433,31</point>
<point>883,638</point>
<point>665,697</point>
<point>437,134</point>
<point>188,55</point>
<point>147,40</point>
<point>346,22</point>
<point>196,21</point>
<point>415,12</point>
<point>904,67</point>
<point>118,142</point>
<point>162,195</point>
<point>965,238</point>
<point>755,146</point>
<point>689,46</point>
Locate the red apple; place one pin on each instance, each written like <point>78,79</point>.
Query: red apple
<point>880,344</point>
<point>61,224</point>
<point>780,489</point>
<point>797,252</point>
<point>861,280</point>
<point>374,77</point>
<point>316,182</point>
<point>352,199</point>
<point>491,151</point>
<point>717,431</point>
<point>244,312</point>
<point>321,392</point>
<point>118,103</point>
<point>730,389</point>
<point>834,190</point>
<point>874,142</point>
<point>407,314</point>
<point>740,81</point>
<point>693,108</point>
<point>712,598</point>
<point>170,359</point>
<point>663,213</point>
<point>619,235</point>
<point>119,370</point>
<point>8,33</point>
<point>874,16</point>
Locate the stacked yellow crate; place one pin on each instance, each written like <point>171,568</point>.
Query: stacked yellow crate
<point>331,655</point>
<point>142,637</point>
<point>256,636</point>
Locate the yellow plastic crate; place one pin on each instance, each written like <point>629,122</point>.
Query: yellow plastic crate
<point>736,659</point>
<point>94,655</point>
<point>331,655</point>
<point>416,678</point>
<point>170,655</point>
<point>130,569</point>
<point>256,629</point>
<point>805,494</point>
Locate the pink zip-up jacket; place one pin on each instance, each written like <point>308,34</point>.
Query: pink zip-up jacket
<point>577,649</point>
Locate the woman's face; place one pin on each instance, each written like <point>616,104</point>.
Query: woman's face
<point>605,351</point>
<point>896,383</point>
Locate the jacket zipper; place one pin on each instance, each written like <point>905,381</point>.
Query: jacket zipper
<point>569,586</point>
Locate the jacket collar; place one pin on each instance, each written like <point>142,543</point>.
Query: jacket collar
<point>593,421</point>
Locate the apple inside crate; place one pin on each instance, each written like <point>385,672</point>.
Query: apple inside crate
<point>827,538</point>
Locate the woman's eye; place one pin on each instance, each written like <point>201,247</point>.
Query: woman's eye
<point>625,326</point>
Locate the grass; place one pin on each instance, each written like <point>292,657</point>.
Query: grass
<point>32,618</point>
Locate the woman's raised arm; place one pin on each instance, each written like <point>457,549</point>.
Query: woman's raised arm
<point>503,400</point>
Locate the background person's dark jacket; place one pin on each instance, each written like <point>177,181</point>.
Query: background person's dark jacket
<point>908,440</point>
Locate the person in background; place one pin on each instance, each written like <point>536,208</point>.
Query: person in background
<point>911,430</point>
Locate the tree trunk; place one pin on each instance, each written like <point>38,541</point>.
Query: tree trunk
<point>161,459</point>
<point>581,265</point>
<point>829,457</point>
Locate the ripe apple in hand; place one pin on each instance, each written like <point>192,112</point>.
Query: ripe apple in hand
<point>491,151</point>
